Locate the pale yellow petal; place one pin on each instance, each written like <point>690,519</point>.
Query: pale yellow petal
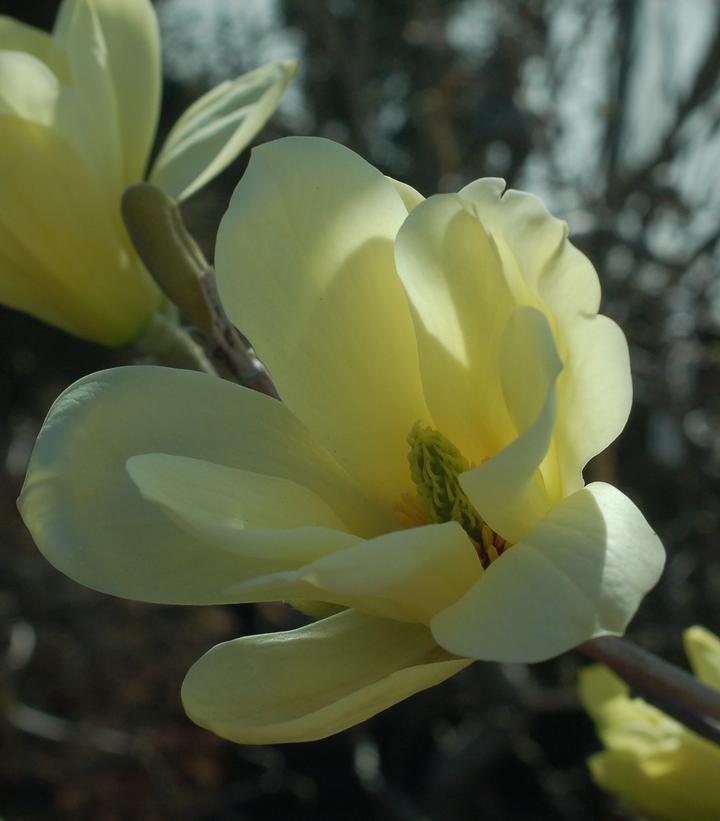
<point>408,575</point>
<point>88,517</point>
<point>595,390</point>
<point>594,393</point>
<point>87,116</point>
<point>28,88</point>
<point>652,762</point>
<point>510,491</point>
<point>533,246</point>
<point>63,252</point>
<point>252,514</point>
<point>703,651</point>
<point>18,36</point>
<point>582,572</point>
<point>312,682</point>
<point>305,269</point>
<point>408,194</point>
<point>132,40</point>
<point>461,301</point>
<point>217,127</point>
<point>598,686</point>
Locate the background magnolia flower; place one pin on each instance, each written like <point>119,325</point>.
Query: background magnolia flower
<point>654,763</point>
<point>445,378</point>
<point>78,113</point>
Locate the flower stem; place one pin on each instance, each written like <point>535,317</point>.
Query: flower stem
<point>179,268</point>
<point>165,342</point>
<point>658,682</point>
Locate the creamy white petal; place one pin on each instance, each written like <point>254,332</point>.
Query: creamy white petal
<point>88,517</point>
<point>408,575</point>
<point>309,683</point>
<point>28,88</point>
<point>252,514</point>
<point>582,572</point>
<point>217,127</point>
<point>408,194</point>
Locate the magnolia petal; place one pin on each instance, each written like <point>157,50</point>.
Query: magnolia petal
<point>460,302</point>
<point>309,683</point>
<point>28,88</point>
<point>594,394</point>
<point>305,269</point>
<point>131,35</point>
<point>509,491</point>
<point>408,194</point>
<point>87,515</point>
<point>657,766</point>
<point>217,127</point>
<point>87,115</point>
<point>580,573</point>
<point>533,245</point>
<point>257,516</point>
<point>703,651</point>
<point>58,279</point>
<point>595,391</point>
<point>17,36</point>
<point>597,686</point>
<point>408,575</point>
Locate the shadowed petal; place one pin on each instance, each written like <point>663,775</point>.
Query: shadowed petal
<point>703,651</point>
<point>460,302</point>
<point>309,683</point>
<point>510,491</point>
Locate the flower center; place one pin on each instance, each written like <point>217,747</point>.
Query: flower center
<point>435,467</point>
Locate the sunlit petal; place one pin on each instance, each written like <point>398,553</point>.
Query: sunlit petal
<point>581,572</point>
<point>217,127</point>
<point>130,31</point>
<point>460,300</point>
<point>305,269</point>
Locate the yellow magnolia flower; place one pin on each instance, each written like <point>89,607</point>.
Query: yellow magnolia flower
<point>445,377</point>
<point>78,113</point>
<point>654,763</point>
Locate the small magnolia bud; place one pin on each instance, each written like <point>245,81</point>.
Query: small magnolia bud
<point>170,254</point>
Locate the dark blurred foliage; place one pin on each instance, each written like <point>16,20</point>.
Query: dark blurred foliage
<point>608,110</point>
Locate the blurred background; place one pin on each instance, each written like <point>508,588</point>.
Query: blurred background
<point>609,111</point>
